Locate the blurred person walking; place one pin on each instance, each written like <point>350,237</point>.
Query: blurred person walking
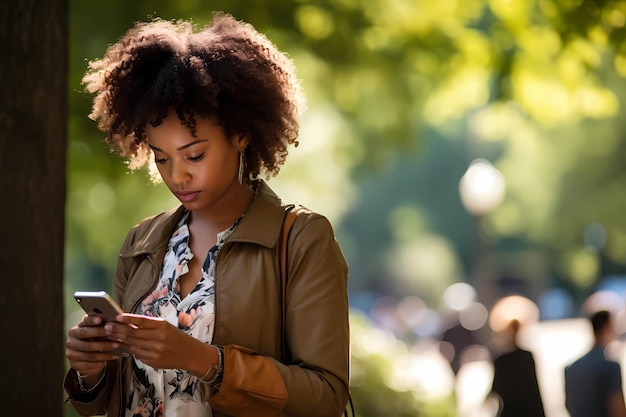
<point>593,384</point>
<point>515,379</point>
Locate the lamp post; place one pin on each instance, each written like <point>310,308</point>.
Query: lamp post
<point>481,189</point>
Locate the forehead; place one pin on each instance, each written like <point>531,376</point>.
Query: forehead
<point>175,135</point>
<point>173,128</point>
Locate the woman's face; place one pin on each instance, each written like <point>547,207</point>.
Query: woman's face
<point>201,170</point>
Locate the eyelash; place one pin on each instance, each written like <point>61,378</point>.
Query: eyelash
<point>196,158</point>
<point>191,158</point>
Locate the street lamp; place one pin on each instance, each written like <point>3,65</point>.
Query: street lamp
<point>481,189</point>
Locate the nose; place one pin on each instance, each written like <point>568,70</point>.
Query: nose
<point>179,173</point>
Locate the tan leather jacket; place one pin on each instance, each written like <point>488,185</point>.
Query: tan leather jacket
<point>248,312</point>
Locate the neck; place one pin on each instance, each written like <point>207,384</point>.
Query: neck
<point>227,210</point>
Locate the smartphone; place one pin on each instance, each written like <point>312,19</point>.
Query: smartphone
<point>99,303</point>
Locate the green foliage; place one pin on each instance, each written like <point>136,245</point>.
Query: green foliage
<point>532,81</point>
<point>374,368</point>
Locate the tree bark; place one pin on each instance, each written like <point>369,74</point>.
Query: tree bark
<point>33,127</point>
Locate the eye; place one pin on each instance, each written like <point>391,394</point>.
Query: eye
<point>196,158</point>
<point>160,160</point>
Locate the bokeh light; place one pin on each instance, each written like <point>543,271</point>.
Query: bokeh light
<point>514,307</point>
<point>602,300</point>
<point>474,316</point>
<point>458,296</point>
<point>481,187</point>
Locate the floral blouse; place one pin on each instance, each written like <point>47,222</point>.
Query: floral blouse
<point>174,392</point>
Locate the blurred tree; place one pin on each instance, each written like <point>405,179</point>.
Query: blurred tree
<point>523,82</point>
<point>33,114</point>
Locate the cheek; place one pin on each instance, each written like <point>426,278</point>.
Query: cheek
<point>162,173</point>
<point>219,170</point>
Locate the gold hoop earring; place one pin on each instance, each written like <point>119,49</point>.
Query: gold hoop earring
<point>242,166</point>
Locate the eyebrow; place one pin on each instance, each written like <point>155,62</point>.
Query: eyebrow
<point>181,148</point>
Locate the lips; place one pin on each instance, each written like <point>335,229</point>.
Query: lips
<point>186,196</point>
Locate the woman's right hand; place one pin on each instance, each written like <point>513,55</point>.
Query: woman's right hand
<point>87,355</point>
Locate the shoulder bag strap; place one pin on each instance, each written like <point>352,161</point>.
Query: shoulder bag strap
<point>290,217</point>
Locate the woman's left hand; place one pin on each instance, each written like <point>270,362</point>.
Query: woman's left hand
<point>154,341</point>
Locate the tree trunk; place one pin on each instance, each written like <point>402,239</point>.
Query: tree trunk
<point>33,114</point>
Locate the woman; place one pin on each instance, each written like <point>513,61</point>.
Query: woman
<point>206,332</point>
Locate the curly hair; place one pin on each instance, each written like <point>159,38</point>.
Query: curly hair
<point>226,72</point>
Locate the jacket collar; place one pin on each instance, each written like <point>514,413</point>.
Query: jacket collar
<point>153,233</point>
<point>261,225</point>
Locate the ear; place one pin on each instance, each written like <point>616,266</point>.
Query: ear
<point>241,142</point>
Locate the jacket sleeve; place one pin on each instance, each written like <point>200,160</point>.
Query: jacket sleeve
<point>315,382</point>
<point>251,385</point>
<point>94,403</point>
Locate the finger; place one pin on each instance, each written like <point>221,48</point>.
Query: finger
<point>120,332</point>
<point>151,340</point>
<point>89,359</point>
<point>130,337</point>
<point>88,332</point>
<point>125,334</point>
<point>90,321</point>
<point>93,359</point>
<point>97,348</point>
<point>144,353</point>
<point>139,320</point>
<point>91,345</point>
